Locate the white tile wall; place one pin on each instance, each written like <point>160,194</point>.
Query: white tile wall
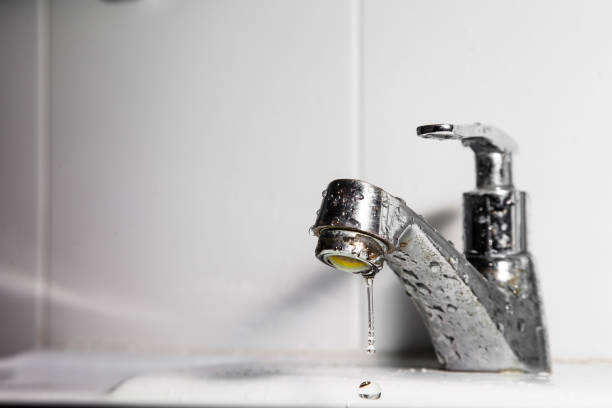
<point>19,200</point>
<point>190,141</point>
<point>543,72</point>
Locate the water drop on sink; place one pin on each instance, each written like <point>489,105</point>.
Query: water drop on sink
<point>543,375</point>
<point>369,390</point>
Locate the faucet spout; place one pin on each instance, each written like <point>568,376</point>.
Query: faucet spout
<point>477,322</point>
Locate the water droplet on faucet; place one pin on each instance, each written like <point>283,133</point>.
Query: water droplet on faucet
<point>423,289</point>
<point>499,213</point>
<point>504,240</point>
<point>353,223</point>
<point>384,200</point>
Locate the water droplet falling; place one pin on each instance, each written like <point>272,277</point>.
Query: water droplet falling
<point>369,390</point>
<point>370,299</point>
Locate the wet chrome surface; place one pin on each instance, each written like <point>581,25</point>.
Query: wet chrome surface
<point>482,310</point>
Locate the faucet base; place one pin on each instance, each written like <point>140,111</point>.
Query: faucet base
<point>477,321</point>
<point>474,324</point>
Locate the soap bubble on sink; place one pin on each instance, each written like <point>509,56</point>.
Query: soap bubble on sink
<point>369,390</point>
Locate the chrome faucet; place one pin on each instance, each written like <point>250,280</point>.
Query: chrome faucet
<point>482,309</point>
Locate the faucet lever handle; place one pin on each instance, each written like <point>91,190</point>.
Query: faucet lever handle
<point>480,137</point>
<point>492,146</point>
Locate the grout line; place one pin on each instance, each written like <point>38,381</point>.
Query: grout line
<point>356,142</point>
<point>356,88</point>
<point>43,178</point>
<point>361,100</point>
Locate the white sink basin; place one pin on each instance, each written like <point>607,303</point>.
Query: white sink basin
<point>334,383</point>
<point>289,380</point>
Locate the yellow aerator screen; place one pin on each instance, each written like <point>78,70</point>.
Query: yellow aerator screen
<point>345,263</point>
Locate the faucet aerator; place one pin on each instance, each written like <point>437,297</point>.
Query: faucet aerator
<point>350,251</point>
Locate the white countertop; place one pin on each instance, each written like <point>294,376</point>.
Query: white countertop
<point>277,379</point>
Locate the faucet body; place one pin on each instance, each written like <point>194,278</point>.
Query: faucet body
<point>483,309</point>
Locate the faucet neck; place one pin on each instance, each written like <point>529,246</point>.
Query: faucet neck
<point>493,170</point>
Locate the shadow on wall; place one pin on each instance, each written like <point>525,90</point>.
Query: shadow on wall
<point>409,333</point>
